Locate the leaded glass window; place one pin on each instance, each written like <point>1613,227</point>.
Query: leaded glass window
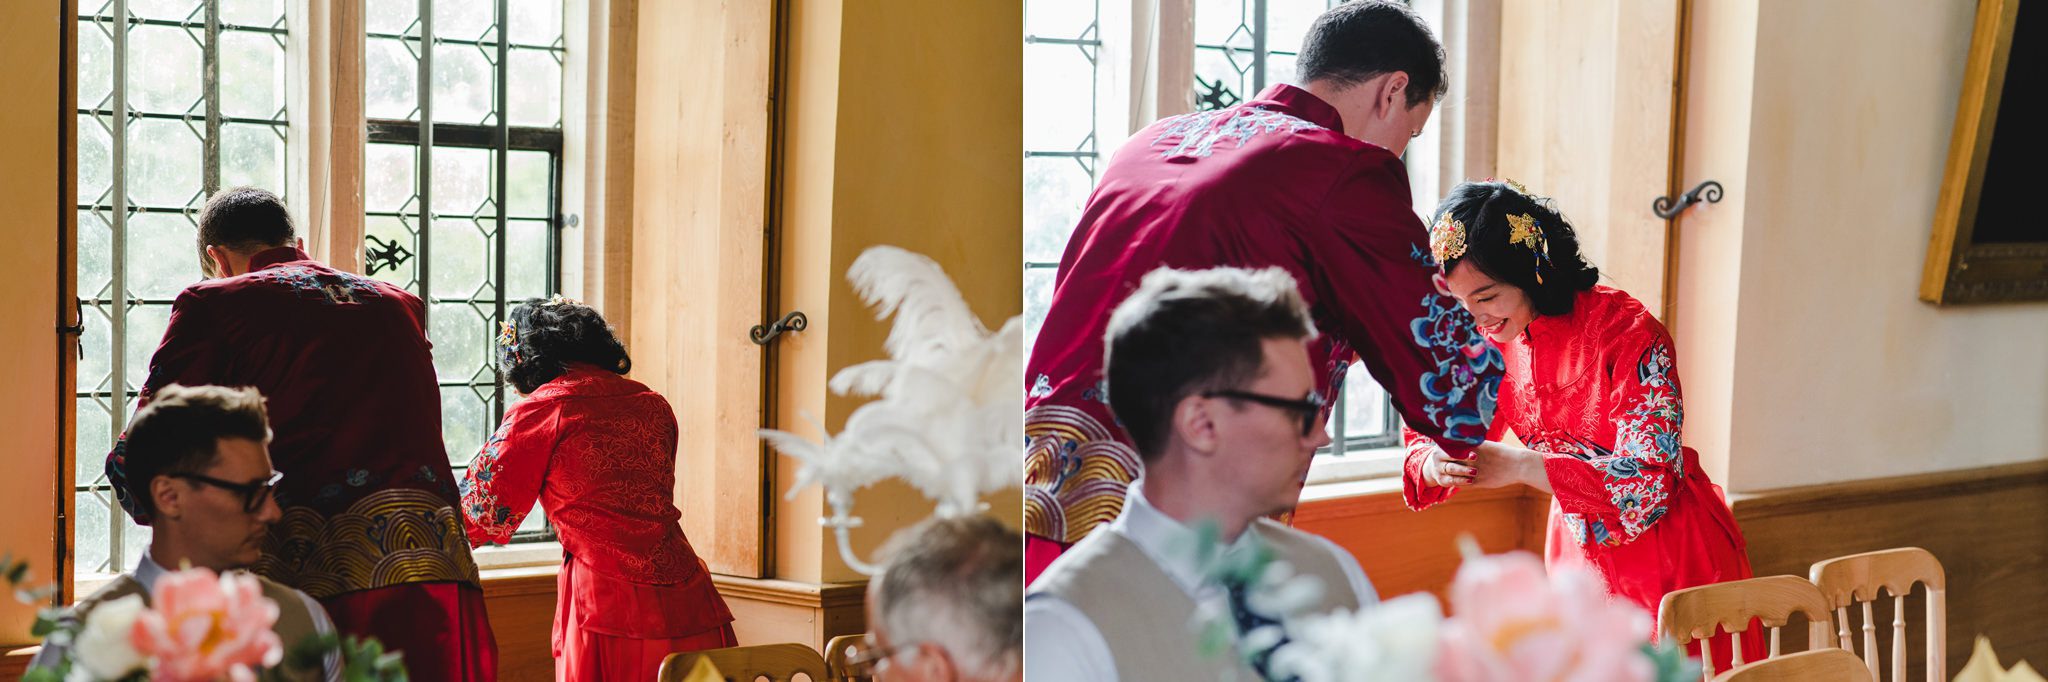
<point>463,212</point>
<point>1062,70</point>
<point>159,131</point>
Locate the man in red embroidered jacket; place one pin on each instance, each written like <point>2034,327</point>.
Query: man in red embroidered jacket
<point>370,525</point>
<point>1309,179</point>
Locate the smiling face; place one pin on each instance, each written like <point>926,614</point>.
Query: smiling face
<point>1500,310</point>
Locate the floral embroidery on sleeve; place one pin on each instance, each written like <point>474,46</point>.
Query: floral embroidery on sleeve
<point>1637,474</point>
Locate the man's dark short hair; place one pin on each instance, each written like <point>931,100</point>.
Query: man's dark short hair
<point>245,220</point>
<point>179,432</point>
<point>1188,331</point>
<point>1358,41</point>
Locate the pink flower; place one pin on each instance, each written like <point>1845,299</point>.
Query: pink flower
<point>208,627</point>
<point>1512,622</point>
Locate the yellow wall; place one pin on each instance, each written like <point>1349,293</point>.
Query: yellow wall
<point>29,46</point>
<point>1808,358</point>
<point>904,128</point>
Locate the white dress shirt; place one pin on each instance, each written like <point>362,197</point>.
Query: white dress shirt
<point>1062,645</point>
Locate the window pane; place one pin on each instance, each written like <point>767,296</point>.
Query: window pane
<point>535,22</point>
<point>392,16</point>
<point>462,262</point>
<point>167,9</point>
<point>388,171</point>
<point>252,12</point>
<point>527,184</point>
<point>462,81</point>
<point>95,254</point>
<point>391,75</point>
<point>96,367</point>
<point>95,160</point>
<point>94,530</point>
<point>1059,18</point>
<point>1217,21</point>
<point>163,259</point>
<point>1288,21</point>
<point>165,163</point>
<point>1054,190</point>
<point>1056,78</point>
<point>252,75</point>
<point>526,261</point>
<point>252,155</point>
<point>1365,404</point>
<point>461,181</point>
<point>95,63</point>
<point>462,19</point>
<point>145,328</point>
<point>462,423</point>
<point>535,97</point>
<point>164,69</point>
<point>1037,300</point>
<point>95,426</point>
<point>459,334</point>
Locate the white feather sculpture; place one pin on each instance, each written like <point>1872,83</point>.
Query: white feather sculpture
<point>947,417</point>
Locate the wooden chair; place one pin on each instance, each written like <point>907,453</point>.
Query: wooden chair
<point>1819,665</point>
<point>1695,613</point>
<point>1856,579</point>
<point>777,662</point>
<point>835,659</point>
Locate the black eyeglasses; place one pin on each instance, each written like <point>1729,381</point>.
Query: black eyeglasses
<point>254,493</point>
<point>1309,409</point>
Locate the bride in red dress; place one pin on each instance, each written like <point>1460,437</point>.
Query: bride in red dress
<point>598,451</point>
<point>1591,392</point>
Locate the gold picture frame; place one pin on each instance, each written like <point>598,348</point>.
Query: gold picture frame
<point>1983,248</point>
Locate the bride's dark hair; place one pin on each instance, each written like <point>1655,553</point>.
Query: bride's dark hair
<point>1484,208</point>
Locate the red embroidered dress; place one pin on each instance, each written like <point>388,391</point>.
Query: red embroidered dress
<point>370,526</point>
<point>1597,390</point>
<point>1271,182</point>
<point>598,451</point>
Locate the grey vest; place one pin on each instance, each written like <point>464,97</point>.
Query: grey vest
<point>294,621</point>
<point>1145,618</point>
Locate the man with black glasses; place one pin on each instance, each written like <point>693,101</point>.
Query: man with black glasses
<point>199,460</point>
<point>1208,371</point>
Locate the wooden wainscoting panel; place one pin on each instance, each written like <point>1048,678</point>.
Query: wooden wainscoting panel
<point>522,612</point>
<point>776,611</point>
<point>1406,551</point>
<point>1985,525</point>
<point>521,604</point>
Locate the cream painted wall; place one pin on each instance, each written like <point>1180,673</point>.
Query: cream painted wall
<point>918,146</point>
<point>29,46</point>
<point>1826,367</point>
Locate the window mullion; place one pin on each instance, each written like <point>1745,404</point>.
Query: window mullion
<point>118,262</point>
<point>210,93</point>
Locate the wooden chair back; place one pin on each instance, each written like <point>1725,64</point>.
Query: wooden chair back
<point>1695,613</point>
<point>1818,665</point>
<point>777,662</point>
<point>835,659</point>
<point>1856,579</point>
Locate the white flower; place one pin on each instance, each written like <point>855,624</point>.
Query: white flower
<point>1395,640</point>
<point>102,647</point>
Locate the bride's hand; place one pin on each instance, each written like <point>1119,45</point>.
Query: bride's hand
<point>1444,472</point>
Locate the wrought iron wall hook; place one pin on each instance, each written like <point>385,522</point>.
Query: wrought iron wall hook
<point>1667,209</point>
<point>761,334</point>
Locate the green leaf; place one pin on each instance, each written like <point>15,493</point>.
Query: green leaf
<point>44,675</point>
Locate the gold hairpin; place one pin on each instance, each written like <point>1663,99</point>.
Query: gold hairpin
<point>1447,239</point>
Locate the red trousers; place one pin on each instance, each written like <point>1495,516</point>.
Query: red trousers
<point>440,627</point>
